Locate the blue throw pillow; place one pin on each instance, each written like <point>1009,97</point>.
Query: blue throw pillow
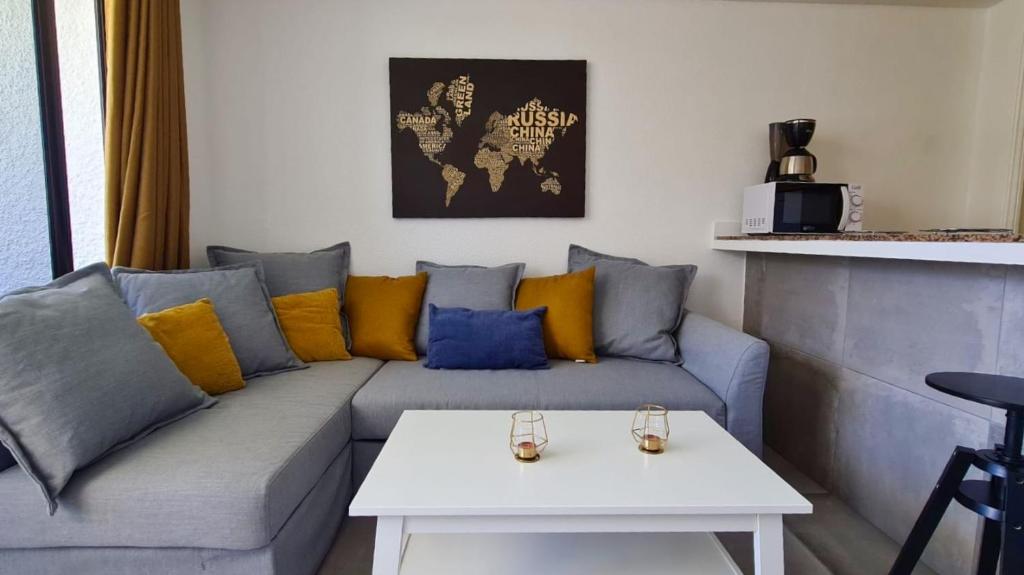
<point>486,339</point>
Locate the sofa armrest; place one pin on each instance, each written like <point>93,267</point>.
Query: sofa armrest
<point>732,364</point>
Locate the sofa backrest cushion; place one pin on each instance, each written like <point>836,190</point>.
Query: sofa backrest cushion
<point>470,287</point>
<point>289,273</point>
<point>81,378</point>
<point>240,299</point>
<point>637,307</point>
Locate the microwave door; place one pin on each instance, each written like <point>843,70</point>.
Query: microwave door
<point>808,210</point>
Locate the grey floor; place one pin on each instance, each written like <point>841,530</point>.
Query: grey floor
<point>352,552</point>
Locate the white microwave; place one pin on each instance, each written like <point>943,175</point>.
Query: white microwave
<point>802,207</point>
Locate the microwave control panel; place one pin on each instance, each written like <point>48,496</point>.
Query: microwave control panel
<point>855,220</point>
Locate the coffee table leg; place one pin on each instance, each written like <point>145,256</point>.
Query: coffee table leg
<point>388,547</point>
<point>768,545</point>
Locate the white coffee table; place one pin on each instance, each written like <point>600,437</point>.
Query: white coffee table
<point>594,503</point>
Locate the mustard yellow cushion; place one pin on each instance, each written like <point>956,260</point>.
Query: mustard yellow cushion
<point>194,339</point>
<point>569,322</point>
<point>311,323</point>
<point>382,315</point>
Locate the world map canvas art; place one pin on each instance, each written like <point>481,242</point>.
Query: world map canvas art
<point>488,138</point>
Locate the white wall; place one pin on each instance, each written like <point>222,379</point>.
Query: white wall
<point>991,197</point>
<point>24,224</point>
<point>289,121</point>
<point>24,227</point>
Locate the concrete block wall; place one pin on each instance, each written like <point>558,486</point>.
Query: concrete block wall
<point>846,402</point>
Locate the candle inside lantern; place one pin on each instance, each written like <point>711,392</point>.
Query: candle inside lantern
<point>526,450</point>
<point>652,443</point>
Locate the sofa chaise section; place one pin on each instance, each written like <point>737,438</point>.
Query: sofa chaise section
<point>211,488</point>
<point>298,547</point>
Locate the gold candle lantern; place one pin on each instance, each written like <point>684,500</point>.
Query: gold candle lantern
<point>529,436</point>
<point>650,428</point>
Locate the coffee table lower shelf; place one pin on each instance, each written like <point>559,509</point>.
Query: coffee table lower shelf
<point>567,554</point>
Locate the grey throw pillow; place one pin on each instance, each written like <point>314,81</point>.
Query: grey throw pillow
<point>295,272</point>
<point>287,273</point>
<point>470,287</point>
<point>637,307</point>
<point>81,378</point>
<point>240,299</point>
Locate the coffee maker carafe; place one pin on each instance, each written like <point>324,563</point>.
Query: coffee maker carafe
<point>797,164</point>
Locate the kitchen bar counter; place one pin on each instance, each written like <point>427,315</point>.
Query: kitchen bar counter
<point>885,237</point>
<point>852,339</point>
<point>1004,248</point>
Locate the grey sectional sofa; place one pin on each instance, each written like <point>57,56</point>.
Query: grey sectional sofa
<point>260,482</point>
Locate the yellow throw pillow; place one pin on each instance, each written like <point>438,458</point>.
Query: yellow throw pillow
<point>569,322</point>
<point>382,315</point>
<point>311,323</point>
<point>194,339</point>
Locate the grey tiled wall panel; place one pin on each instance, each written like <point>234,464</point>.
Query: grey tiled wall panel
<point>753,284</point>
<point>1011,339</point>
<point>891,447</point>
<point>800,411</point>
<point>803,304</point>
<point>907,319</point>
<point>995,433</point>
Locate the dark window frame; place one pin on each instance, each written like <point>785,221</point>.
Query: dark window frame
<point>101,53</point>
<point>51,123</point>
<point>51,119</point>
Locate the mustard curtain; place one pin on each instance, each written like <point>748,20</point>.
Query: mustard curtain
<point>147,204</point>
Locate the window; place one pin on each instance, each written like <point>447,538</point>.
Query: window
<point>80,89</point>
<point>51,141</point>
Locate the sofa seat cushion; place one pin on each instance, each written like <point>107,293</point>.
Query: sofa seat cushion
<point>227,477</point>
<point>610,384</point>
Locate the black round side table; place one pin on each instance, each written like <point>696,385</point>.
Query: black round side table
<point>1000,499</point>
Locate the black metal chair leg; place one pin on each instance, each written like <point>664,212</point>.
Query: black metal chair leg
<point>988,555</point>
<point>1013,524</point>
<point>933,511</point>
<point>992,531</point>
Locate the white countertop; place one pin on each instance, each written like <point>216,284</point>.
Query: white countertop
<point>980,252</point>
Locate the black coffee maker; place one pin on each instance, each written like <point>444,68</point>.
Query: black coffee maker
<point>795,163</point>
